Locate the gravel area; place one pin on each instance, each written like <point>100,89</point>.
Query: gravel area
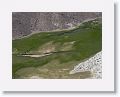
<point>93,64</point>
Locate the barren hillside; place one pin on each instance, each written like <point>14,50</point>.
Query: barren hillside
<point>24,23</point>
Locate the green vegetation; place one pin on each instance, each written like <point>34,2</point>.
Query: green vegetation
<point>70,46</point>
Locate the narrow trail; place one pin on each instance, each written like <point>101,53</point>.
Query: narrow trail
<point>44,54</point>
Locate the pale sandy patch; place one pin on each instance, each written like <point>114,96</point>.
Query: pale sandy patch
<point>36,77</point>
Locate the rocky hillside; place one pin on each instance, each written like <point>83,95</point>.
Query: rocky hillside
<point>25,23</point>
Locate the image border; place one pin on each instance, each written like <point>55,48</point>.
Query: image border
<point>104,84</point>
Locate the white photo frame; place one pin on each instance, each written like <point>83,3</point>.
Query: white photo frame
<point>104,84</point>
